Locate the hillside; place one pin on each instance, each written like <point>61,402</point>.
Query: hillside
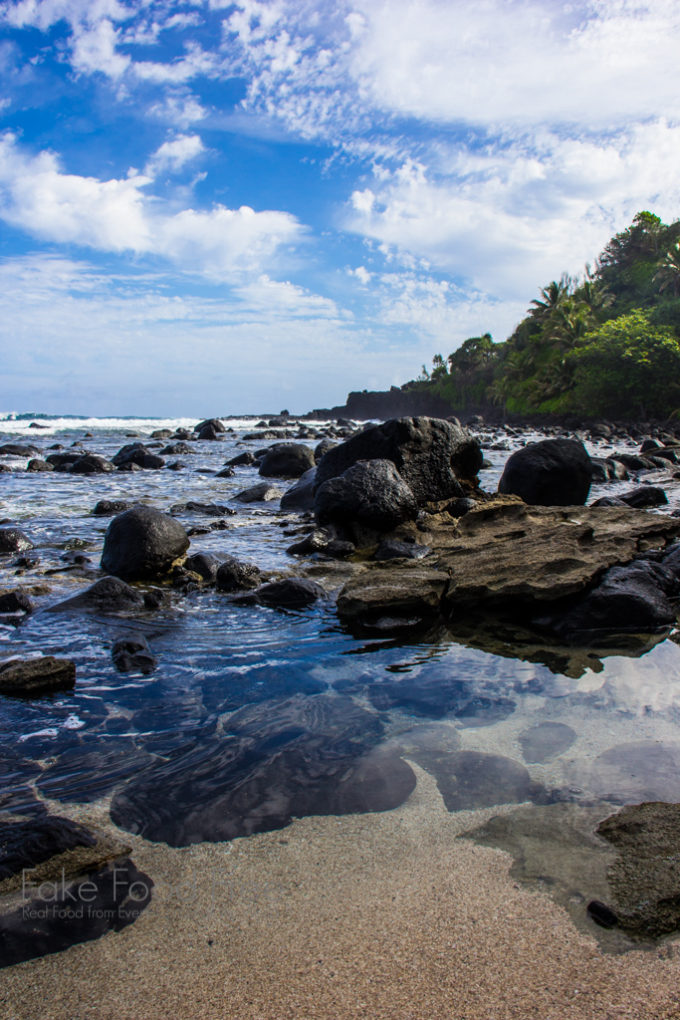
<point>604,345</point>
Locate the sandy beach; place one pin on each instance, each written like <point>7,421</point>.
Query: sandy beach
<point>385,915</point>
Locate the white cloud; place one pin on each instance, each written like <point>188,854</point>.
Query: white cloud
<point>43,14</point>
<point>284,296</point>
<point>325,70</point>
<point>263,349</point>
<point>496,62</point>
<point>439,313</point>
<point>174,154</point>
<point>195,63</point>
<point>94,49</point>
<point>511,217</point>
<point>117,216</point>
<point>362,275</point>
<point>179,110</point>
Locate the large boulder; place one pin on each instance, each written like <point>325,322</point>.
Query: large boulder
<point>91,464</point>
<point>644,496</point>
<point>431,455</point>
<point>210,429</point>
<point>554,472</point>
<point>287,460</point>
<point>370,492</point>
<point>142,544</point>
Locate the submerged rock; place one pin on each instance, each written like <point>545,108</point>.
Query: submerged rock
<point>469,780</point>
<point>554,472</point>
<point>545,740</point>
<point>278,760</point>
<point>645,878</point>
<point>64,885</point>
<point>107,595</point>
<point>131,654</point>
<point>143,544</point>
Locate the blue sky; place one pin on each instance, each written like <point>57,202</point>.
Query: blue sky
<point>213,208</point>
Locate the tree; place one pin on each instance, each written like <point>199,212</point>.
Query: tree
<point>627,367</point>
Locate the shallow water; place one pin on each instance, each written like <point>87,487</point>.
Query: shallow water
<point>255,716</point>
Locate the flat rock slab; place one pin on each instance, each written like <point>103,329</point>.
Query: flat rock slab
<point>29,677</point>
<point>504,552</point>
<point>386,590</point>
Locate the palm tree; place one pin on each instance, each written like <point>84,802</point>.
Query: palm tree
<point>553,295</point>
<point>668,273</point>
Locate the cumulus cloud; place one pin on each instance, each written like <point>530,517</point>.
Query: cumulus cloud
<point>594,61</point>
<point>517,214</point>
<point>117,216</point>
<point>175,154</point>
<point>94,49</point>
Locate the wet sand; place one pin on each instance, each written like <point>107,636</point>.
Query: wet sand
<point>379,916</point>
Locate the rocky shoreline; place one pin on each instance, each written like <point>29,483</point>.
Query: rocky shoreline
<point>392,526</point>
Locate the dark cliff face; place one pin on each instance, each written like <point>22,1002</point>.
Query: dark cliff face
<point>365,405</point>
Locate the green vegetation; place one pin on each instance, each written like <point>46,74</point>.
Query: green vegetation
<point>605,345</point>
